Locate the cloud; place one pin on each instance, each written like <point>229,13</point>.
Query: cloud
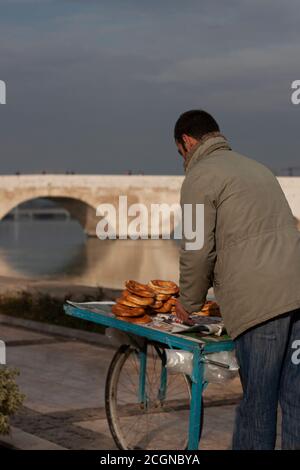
<point>97,86</point>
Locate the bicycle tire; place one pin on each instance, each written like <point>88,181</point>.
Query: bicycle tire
<point>113,374</point>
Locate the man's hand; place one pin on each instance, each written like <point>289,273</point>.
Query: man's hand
<point>182,314</point>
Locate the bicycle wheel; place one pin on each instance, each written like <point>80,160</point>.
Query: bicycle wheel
<point>161,421</point>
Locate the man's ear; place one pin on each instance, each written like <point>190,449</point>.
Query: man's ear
<point>189,141</point>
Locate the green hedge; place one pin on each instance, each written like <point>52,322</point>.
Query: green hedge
<point>10,397</point>
<point>47,309</point>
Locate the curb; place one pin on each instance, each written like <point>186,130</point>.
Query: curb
<point>21,440</point>
<point>213,402</point>
<point>72,333</point>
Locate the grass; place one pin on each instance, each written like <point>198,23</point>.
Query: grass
<point>47,309</point>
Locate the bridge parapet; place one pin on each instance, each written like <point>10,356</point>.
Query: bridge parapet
<point>82,194</point>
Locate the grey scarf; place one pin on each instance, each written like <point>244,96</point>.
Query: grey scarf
<point>208,144</point>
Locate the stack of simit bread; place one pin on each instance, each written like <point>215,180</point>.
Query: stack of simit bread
<point>166,293</point>
<point>139,301</point>
<point>210,309</point>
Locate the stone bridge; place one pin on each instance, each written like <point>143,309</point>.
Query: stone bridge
<point>80,195</point>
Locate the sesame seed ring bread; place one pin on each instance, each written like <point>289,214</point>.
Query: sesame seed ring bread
<point>137,300</point>
<point>157,304</point>
<point>210,305</point>
<point>162,297</point>
<point>137,288</point>
<point>165,308</point>
<point>123,311</point>
<point>163,287</point>
<point>211,311</point>
<point>127,303</point>
<point>139,320</point>
<point>172,301</point>
<point>210,308</point>
<point>201,314</point>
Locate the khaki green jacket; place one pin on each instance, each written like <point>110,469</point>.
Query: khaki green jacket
<point>251,252</point>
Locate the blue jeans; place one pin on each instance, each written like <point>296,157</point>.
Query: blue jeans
<point>269,359</point>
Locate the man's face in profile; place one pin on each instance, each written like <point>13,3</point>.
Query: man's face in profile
<point>181,148</point>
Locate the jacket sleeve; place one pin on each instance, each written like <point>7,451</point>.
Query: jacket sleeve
<point>197,266</point>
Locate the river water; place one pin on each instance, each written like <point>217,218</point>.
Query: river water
<point>59,250</point>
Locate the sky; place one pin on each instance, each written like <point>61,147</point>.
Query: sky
<point>96,86</point>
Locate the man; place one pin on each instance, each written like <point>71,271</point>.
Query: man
<point>251,257</point>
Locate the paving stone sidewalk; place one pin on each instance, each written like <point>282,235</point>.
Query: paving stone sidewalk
<point>64,384</point>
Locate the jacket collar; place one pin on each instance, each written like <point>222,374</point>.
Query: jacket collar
<point>208,144</point>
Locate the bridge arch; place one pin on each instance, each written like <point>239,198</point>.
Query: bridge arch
<point>78,209</point>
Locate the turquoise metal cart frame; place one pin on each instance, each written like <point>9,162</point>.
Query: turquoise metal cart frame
<point>198,347</point>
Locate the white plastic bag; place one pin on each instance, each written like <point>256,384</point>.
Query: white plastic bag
<point>179,362</point>
<point>215,373</point>
<point>219,367</point>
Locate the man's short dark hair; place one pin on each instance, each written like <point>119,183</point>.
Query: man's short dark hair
<point>195,123</point>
